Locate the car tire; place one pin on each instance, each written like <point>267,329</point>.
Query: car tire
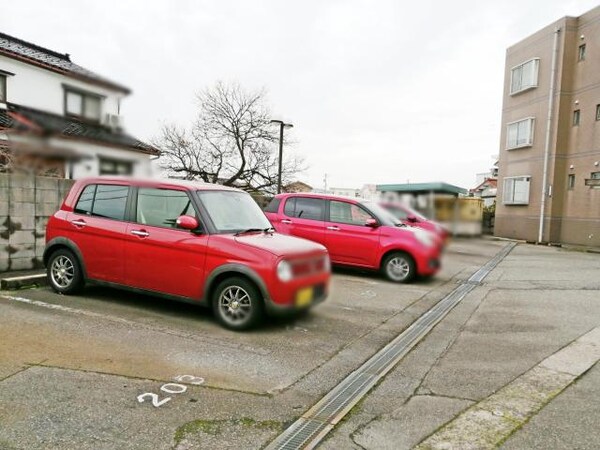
<point>237,304</point>
<point>399,267</point>
<point>64,272</point>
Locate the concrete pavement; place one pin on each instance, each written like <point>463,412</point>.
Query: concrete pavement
<point>72,368</point>
<point>537,301</point>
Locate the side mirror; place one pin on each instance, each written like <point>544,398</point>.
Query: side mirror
<point>371,223</point>
<point>411,218</point>
<point>187,222</point>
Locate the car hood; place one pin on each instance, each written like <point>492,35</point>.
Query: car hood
<point>411,231</point>
<point>280,244</point>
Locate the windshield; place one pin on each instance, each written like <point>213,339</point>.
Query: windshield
<point>232,212</point>
<point>382,214</point>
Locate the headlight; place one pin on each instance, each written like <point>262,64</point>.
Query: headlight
<point>284,271</point>
<point>424,238</point>
<point>327,263</point>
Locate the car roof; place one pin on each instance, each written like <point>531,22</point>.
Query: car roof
<point>160,183</point>
<point>321,196</point>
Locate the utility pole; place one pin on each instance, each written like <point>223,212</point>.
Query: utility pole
<point>282,125</point>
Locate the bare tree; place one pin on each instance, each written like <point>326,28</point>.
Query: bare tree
<point>231,142</point>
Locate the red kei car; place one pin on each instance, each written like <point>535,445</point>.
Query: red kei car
<point>357,233</point>
<point>412,218</point>
<point>196,242</point>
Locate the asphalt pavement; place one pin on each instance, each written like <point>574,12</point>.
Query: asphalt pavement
<point>96,370</point>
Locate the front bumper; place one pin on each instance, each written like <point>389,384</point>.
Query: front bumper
<point>293,296</point>
<point>430,262</point>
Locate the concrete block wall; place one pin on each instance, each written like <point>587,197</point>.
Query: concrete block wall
<point>26,203</point>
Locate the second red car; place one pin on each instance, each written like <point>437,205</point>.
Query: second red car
<point>358,233</point>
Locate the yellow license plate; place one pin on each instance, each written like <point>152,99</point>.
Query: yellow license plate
<point>304,297</point>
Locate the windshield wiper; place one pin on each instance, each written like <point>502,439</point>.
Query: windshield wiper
<point>254,230</point>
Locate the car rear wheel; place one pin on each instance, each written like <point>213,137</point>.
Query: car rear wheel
<point>237,304</point>
<point>399,267</point>
<point>64,272</point>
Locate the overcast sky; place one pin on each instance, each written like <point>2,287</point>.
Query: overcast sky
<point>378,91</point>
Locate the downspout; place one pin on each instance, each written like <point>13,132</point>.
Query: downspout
<point>548,133</point>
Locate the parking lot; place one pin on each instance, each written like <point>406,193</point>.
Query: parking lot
<point>74,370</point>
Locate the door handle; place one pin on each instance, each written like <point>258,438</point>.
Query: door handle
<point>140,233</point>
<point>333,228</point>
<point>286,221</point>
<point>78,222</point>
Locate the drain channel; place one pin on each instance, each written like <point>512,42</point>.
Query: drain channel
<point>313,426</point>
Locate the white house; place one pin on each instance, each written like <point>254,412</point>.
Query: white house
<point>63,118</point>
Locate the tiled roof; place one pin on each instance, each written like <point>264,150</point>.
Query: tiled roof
<point>51,60</point>
<point>22,118</point>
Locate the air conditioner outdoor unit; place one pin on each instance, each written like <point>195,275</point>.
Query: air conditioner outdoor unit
<point>113,121</point>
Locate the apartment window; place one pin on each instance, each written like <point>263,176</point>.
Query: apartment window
<point>581,54</point>
<point>576,117</point>
<point>524,76</point>
<point>597,112</point>
<point>520,134</point>
<point>82,104</point>
<point>115,167</point>
<point>2,88</point>
<point>516,190</point>
<point>594,180</point>
<point>571,182</point>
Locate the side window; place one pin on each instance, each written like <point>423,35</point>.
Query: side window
<point>162,207</point>
<point>349,213</point>
<point>84,204</point>
<point>273,205</point>
<point>309,208</point>
<point>110,201</point>
<point>290,206</point>
<point>103,200</point>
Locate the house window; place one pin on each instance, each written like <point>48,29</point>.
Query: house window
<point>83,105</point>
<point>597,112</point>
<point>516,190</point>
<point>2,88</point>
<point>524,76</point>
<point>581,54</point>
<point>576,117</point>
<point>520,134</point>
<point>571,182</point>
<point>115,167</point>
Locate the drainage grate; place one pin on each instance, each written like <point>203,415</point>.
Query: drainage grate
<point>313,426</point>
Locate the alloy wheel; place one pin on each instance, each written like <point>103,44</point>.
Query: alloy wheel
<point>62,271</point>
<point>235,305</point>
<point>398,268</point>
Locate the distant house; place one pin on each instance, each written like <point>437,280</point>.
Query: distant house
<point>297,186</point>
<point>58,118</point>
<point>486,190</point>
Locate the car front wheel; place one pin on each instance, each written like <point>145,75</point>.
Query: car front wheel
<point>399,267</point>
<point>237,304</point>
<point>64,272</point>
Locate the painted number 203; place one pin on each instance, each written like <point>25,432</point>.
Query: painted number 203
<point>170,388</point>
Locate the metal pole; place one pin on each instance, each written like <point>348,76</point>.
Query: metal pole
<point>280,157</point>
<point>548,134</point>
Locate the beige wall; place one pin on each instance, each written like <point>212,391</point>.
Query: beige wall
<point>572,216</point>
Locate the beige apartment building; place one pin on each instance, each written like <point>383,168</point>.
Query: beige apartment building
<point>549,166</point>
